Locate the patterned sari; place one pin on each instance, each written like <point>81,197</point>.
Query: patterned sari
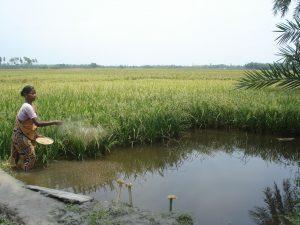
<point>23,144</point>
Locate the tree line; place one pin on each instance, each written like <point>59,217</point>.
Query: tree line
<point>26,62</point>
<point>17,61</point>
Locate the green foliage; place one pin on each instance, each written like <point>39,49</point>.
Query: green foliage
<point>103,108</point>
<point>290,36</point>
<point>289,31</point>
<point>185,219</point>
<point>282,6</point>
<point>5,221</point>
<point>105,216</point>
<point>256,66</point>
<point>100,217</point>
<point>286,76</point>
<point>294,218</point>
<point>72,208</point>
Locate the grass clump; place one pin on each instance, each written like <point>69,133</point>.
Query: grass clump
<point>72,208</point>
<point>185,219</point>
<point>99,217</point>
<point>5,221</point>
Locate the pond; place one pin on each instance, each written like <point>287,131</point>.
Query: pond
<point>217,176</point>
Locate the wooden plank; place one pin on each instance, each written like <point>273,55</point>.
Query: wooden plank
<point>285,139</point>
<point>61,195</point>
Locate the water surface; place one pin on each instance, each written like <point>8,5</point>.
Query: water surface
<point>217,176</point>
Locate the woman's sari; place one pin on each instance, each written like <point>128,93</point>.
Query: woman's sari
<point>23,144</point>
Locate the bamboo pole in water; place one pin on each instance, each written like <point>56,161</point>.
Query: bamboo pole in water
<point>120,182</point>
<point>129,186</point>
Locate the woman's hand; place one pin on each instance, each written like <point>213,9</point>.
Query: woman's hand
<point>46,123</point>
<point>58,122</point>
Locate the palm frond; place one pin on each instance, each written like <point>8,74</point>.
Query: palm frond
<point>289,54</point>
<point>290,31</point>
<point>278,199</point>
<point>297,10</point>
<point>271,204</point>
<point>281,6</point>
<point>260,215</point>
<point>279,208</point>
<point>286,76</point>
<point>289,202</point>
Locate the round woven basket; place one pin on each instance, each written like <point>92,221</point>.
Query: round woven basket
<point>44,140</point>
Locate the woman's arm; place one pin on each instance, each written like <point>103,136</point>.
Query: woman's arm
<point>44,124</point>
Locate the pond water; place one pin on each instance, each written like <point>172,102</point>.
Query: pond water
<point>217,176</point>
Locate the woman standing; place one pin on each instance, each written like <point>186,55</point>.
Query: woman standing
<point>24,133</point>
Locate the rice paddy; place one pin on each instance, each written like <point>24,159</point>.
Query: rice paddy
<point>109,107</point>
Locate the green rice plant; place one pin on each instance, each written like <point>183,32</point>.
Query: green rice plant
<point>105,108</point>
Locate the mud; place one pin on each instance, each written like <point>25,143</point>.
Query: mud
<point>105,213</point>
<point>23,206</point>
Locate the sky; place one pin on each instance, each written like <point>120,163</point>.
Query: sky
<point>139,32</point>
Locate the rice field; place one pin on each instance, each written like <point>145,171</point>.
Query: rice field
<point>104,108</point>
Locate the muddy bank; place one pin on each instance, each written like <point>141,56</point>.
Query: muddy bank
<point>22,206</point>
<point>28,206</point>
<point>9,217</point>
<point>105,213</point>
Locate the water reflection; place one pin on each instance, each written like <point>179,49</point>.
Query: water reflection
<point>92,175</point>
<point>217,176</point>
<point>280,206</point>
<point>266,147</point>
<point>78,177</point>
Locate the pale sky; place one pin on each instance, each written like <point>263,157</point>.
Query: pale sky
<point>139,32</point>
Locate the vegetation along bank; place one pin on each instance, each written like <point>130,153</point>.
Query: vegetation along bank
<point>107,107</point>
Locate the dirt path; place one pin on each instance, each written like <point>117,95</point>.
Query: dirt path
<point>28,207</point>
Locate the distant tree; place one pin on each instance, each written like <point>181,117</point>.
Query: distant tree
<point>27,60</point>
<point>256,66</point>
<point>17,60</point>
<point>12,60</point>
<point>286,73</point>
<point>93,65</point>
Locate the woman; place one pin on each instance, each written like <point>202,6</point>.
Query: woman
<point>24,133</point>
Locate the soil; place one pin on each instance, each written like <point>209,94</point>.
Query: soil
<point>19,205</point>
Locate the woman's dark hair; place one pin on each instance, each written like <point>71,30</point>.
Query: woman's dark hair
<point>26,90</point>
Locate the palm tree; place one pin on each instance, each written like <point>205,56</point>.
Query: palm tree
<point>282,7</point>
<point>284,74</point>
